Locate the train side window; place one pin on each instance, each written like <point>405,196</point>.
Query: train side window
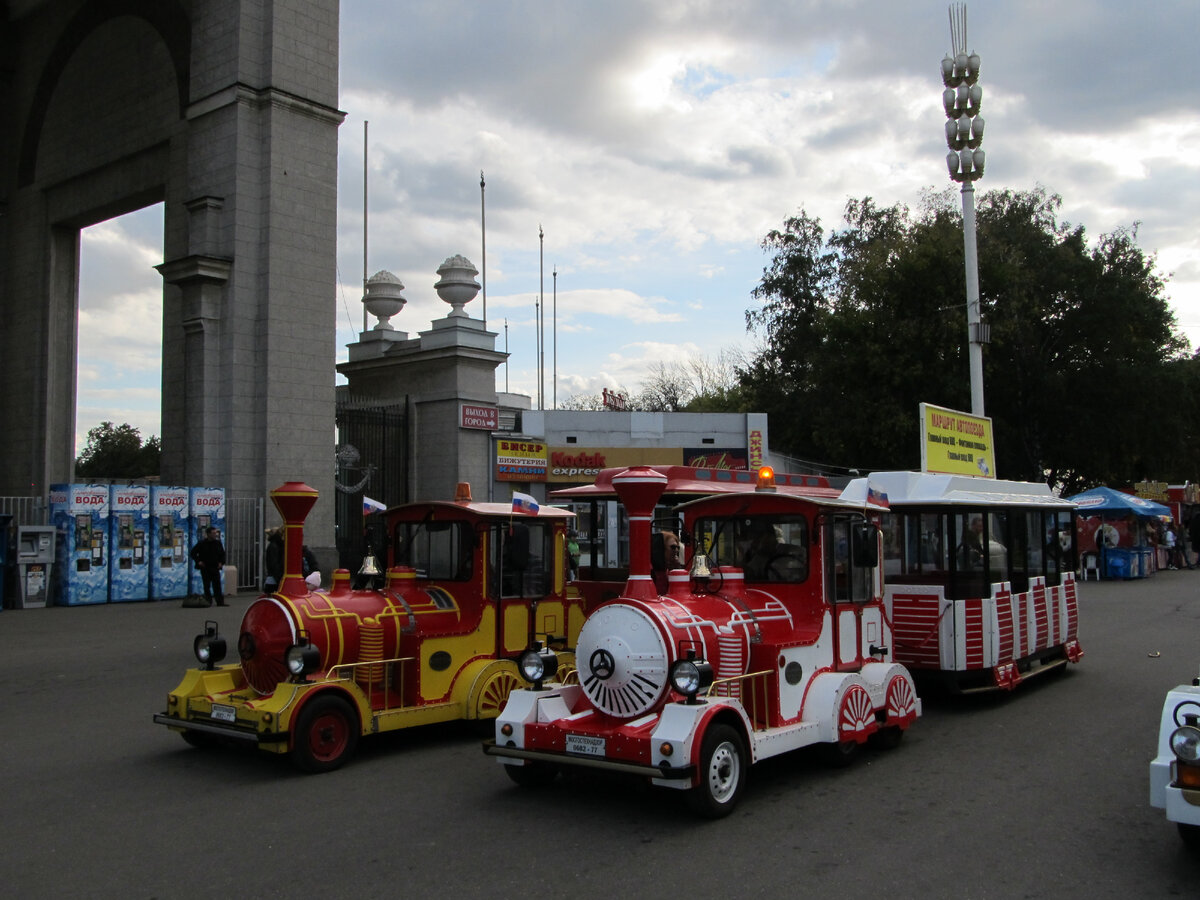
<point>520,557</point>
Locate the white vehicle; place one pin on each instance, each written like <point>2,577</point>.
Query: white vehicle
<point>1175,771</point>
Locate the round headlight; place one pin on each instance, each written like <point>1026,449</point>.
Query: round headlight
<point>209,648</point>
<point>301,659</point>
<point>532,665</point>
<point>1185,742</point>
<point>685,677</point>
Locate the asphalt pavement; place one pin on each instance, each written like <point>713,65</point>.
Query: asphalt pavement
<point>1042,793</point>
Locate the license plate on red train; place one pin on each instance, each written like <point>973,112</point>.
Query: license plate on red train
<point>585,745</point>
<point>223,713</point>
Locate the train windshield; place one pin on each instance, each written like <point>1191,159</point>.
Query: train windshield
<point>519,559</point>
<point>437,550</point>
<point>769,548</point>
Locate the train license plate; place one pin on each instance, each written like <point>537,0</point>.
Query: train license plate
<point>584,745</point>
<point>223,713</point>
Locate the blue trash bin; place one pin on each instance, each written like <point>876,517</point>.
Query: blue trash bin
<point>1117,563</point>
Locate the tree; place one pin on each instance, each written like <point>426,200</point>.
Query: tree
<point>860,328</point>
<point>118,452</point>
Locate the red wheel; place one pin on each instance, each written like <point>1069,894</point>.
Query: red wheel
<point>326,734</point>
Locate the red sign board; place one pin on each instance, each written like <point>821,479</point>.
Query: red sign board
<point>485,418</point>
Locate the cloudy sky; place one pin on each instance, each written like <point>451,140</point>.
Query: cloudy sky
<point>657,142</point>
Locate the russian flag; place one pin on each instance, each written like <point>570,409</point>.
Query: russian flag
<point>523,503</point>
<point>370,506</point>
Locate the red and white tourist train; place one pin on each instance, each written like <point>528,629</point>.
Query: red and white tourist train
<point>979,577</point>
<point>773,638</point>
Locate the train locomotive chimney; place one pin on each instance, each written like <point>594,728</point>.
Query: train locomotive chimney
<point>294,500</point>
<point>639,488</point>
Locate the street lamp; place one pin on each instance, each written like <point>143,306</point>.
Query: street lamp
<point>961,100</point>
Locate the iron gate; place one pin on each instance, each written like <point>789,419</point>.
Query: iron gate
<point>372,461</point>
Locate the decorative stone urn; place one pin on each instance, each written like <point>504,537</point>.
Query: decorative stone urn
<point>383,298</point>
<point>457,286</point>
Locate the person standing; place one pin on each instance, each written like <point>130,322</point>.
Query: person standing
<point>209,557</point>
<point>273,560</point>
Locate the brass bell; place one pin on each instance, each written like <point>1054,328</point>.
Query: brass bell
<point>369,568</point>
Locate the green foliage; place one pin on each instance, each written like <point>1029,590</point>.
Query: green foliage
<point>859,328</point>
<point>118,452</point>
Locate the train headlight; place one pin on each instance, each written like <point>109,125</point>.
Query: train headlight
<point>209,647</point>
<point>690,676</point>
<point>537,664</point>
<point>1185,742</point>
<point>302,658</point>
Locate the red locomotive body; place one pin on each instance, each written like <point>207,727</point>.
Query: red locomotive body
<point>775,639</point>
<point>469,587</point>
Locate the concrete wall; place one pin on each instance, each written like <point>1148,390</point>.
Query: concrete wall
<point>226,112</point>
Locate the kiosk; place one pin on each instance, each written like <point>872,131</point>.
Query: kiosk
<point>35,562</point>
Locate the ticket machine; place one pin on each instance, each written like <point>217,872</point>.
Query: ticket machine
<point>35,560</point>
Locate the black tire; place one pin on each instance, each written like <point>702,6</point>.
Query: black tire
<point>722,770</point>
<point>840,754</point>
<point>888,737</point>
<point>533,774</point>
<point>1190,835</point>
<point>199,739</point>
<point>325,736</point>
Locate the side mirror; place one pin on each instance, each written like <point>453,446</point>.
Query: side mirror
<point>865,549</point>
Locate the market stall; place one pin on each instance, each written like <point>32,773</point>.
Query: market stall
<point>1116,527</point>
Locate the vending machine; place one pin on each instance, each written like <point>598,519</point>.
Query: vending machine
<point>129,558</point>
<point>79,514</point>
<point>169,564</point>
<point>208,511</point>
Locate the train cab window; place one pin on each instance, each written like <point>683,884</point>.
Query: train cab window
<point>520,559</point>
<point>437,550</point>
<point>768,548</point>
<point>851,556</point>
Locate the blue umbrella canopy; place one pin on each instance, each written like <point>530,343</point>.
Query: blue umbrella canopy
<point>1106,500</point>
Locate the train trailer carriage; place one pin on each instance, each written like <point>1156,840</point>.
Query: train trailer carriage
<point>774,639</point>
<point>979,577</point>
<point>468,587</point>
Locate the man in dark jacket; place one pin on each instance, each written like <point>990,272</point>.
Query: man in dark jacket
<point>209,557</point>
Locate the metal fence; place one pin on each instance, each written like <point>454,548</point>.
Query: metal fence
<point>24,510</point>
<point>371,462</point>
<point>243,536</point>
<point>244,539</point>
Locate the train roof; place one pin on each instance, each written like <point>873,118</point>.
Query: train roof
<point>936,489</point>
<point>696,481</point>
<point>483,509</point>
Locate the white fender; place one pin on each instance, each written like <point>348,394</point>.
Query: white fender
<point>824,700</point>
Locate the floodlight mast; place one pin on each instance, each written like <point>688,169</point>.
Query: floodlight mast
<point>961,100</point>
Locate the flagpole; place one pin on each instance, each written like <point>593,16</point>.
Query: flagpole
<point>365,124</point>
<point>542,320</point>
<point>483,250</point>
<point>554,320</point>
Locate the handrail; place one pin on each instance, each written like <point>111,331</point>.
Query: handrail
<point>346,672</point>
<point>756,704</point>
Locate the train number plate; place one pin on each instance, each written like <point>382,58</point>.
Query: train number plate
<point>223,713</point>
<point>584,745</point>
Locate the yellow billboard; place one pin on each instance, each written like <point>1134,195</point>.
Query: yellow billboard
<point>956,443</point>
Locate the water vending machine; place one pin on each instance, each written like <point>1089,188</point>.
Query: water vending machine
<point>129,556</point>
<point>208,511</point>
<point>79,514</point>
<point>169,564</point>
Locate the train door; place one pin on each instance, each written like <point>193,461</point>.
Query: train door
<point>851,565</point>
<point>520,564</point>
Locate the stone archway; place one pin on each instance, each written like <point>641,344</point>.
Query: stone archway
<point>117,104</point>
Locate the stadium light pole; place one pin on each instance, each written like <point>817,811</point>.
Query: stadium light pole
<point>961,101</point>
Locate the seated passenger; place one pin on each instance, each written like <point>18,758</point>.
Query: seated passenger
<point>665,555</point>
